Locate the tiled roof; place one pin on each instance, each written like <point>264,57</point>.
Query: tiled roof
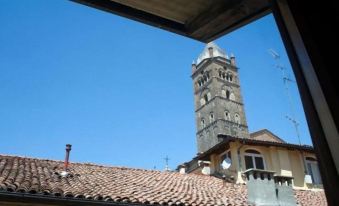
<point>310,198</point>
<point>267,143</point>
<point>118,184</point>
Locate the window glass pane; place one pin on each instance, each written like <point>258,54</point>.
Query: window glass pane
<point>259,163</point>
<point>248,162</point>
<point>316,174</point>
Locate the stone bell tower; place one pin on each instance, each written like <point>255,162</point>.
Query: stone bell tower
<point>218,102</point>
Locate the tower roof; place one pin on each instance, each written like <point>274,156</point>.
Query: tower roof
<point>217,52</point>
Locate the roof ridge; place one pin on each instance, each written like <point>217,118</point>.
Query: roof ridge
<point>28,157</point>
<point>78,163</point>
<point>269,131</point>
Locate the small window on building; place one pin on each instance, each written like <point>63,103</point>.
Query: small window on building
<point>202,81</point>
<point>228,94</point>
<point>223,93</point>
<point>232,96</point>
<point>227,115</point>
<point>202,123</point>
<point>211,117</point>
<point>209,96</point>
<point>253,159</point>
<point>230,78</point>
<point>237,118</point>
<point>206,98</point>
<point>313,170</point>
<point>202,101</point>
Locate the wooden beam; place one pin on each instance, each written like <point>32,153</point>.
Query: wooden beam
<point>216,9</point>
<point>135,14</point>
<point>228,18</point>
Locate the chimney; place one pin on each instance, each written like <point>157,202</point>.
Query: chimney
<point>68,149</point>
<point>266,189</point>
<point>285,194</point>
<point>232,59</point>
<point>182,168</point>
<point>206,169</point>
<point>210,51</point>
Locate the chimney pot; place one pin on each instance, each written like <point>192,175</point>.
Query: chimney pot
<point>68,149</point>
<point>183,168</point>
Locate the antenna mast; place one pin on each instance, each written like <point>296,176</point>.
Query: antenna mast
<point>286,80</point>
<point>166,166</point>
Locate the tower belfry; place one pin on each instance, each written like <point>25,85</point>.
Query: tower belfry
<point>218,102</point>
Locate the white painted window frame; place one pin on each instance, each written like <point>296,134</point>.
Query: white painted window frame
<point>315,161</point>
<point>252,155</point>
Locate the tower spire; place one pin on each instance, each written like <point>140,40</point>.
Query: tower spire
<point>211,50</point>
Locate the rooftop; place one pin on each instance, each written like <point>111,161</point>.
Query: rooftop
<point>96,183</point>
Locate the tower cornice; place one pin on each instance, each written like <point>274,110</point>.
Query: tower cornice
<point>219,60</point>
<point>220,120</point>
<point>220,97</point>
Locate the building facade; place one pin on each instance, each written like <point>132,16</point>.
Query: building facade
<point>233,156</point>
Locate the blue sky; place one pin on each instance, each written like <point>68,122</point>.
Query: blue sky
<point>120,91</point>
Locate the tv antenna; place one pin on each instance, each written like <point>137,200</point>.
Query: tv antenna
<point>166,166</point>
<point>287,80</point>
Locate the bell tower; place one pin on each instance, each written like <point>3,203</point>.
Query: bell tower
<point>218,102</point>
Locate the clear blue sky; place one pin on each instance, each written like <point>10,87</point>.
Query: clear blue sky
<point>120,91</point>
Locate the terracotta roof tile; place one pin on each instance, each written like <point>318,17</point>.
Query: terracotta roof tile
<point>310,198</point>
<point>119,184</point>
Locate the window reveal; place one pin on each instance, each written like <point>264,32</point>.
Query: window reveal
<point>253,159</point>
